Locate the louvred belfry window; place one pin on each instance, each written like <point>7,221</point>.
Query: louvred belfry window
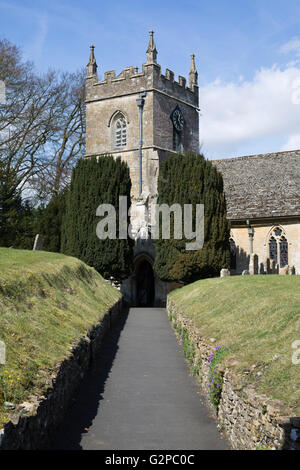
<point>119,138</point>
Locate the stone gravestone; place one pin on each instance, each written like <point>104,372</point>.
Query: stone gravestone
<point>38,242</point>
<point>224,273</point>
<point>268,266</point>
<point>292,270</point>
<point>285,270</point>
<point>274,267</point>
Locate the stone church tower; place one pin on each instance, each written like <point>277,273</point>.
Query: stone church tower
<point>118,109</point>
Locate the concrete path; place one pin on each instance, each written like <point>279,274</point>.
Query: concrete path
<point>140,394</point>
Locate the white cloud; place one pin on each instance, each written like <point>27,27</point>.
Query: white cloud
<point>240,115</point>
<point>293,142</point>
<point>291,46</point>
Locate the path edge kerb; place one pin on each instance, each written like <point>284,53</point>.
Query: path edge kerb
<point>32,423</point>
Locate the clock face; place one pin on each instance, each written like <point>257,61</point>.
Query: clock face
<point>178,119</point>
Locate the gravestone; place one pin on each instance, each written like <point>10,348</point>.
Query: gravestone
<point>292,270</point>
<point>224,273</point>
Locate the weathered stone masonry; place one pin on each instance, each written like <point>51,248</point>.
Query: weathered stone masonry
<point>32,423</point>
<point>118,93</point>
<point>248,420</point>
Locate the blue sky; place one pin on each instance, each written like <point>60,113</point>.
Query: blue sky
<point>247,55</point>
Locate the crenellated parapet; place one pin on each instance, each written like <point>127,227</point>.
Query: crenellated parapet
<point>150,78</point>
<point>131,80</point>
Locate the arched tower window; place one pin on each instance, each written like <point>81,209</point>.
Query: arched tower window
<point>119,132</point>
<point>278,247</point>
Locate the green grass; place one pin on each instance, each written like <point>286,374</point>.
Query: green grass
<point>258,319</point>
<point>47,301</point>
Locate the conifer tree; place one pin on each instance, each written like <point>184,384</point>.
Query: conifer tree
<point>190,179</point>
<point>17,218</point>
<point>95,181</point>
<point>49,221</point>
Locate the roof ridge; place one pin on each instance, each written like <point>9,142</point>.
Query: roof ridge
<point>256,155</point>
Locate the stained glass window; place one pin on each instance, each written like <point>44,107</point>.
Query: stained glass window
<point>283,252</point>
<point>278,232</point>
<point>278,247</point>
<point>273,249</point>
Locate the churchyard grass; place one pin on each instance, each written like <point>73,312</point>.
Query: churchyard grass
<point>47,302</point>
<point>258,319</point>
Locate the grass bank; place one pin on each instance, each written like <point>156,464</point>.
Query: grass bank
<point>256,319</point>
<point>47,301</point>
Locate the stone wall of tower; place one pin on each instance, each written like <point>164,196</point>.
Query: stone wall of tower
<point>163,136</point>
<point>99,136</point>
<point>119,93</point>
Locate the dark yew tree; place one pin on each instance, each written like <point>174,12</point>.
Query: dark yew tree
<point>190,179</point>
<point>95,181</point>
<point>17,217</point>
<point>49,221</point>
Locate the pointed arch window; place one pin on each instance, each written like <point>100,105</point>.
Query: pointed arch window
<point>283,247</point>
<point>273,249</point>
<point>278,247</point>
<point>119,132</point>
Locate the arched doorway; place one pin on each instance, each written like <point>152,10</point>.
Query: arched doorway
<point>145,290</point>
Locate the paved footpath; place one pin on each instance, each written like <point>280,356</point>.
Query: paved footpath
<point>139,394</point>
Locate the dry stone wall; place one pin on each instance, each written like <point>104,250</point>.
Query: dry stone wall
<point>249,421</point>
<point>32,423</point>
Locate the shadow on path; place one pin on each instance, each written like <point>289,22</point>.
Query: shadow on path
<point>139,394</point>
<point>87,400</point>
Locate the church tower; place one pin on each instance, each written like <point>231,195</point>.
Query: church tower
<point>166,110</point>
<point>170,115</point>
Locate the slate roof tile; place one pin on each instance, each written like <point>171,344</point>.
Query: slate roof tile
<point>265,185</point>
